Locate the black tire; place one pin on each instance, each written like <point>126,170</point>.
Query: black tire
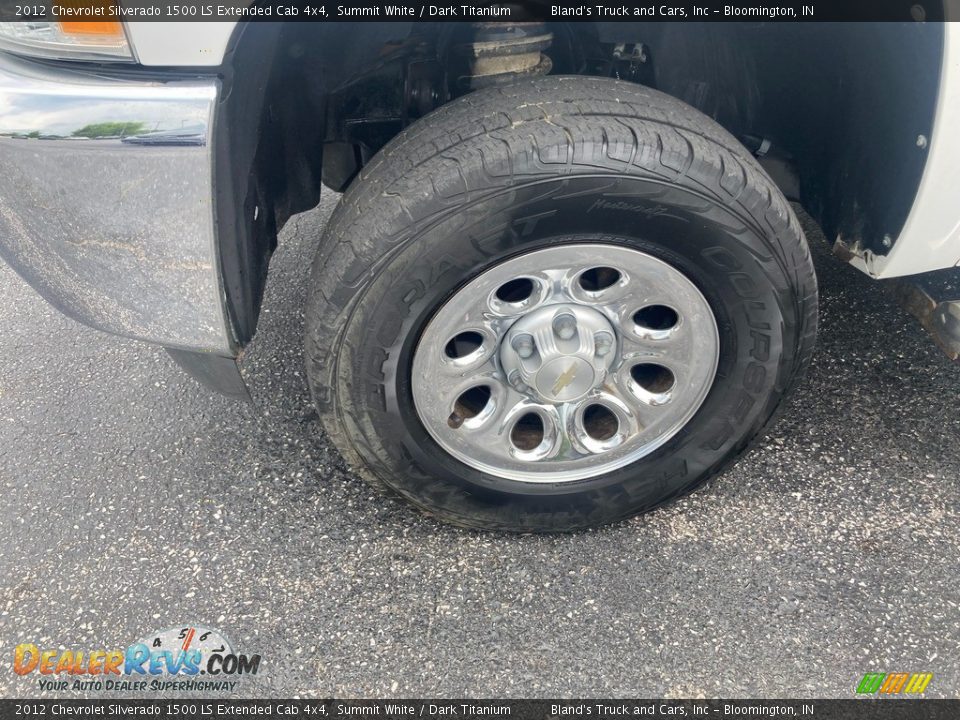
<point>510,169</point>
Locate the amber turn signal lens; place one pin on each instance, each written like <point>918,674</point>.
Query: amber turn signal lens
<point>100,29</point>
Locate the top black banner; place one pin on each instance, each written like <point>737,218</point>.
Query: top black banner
<point>471,11</point>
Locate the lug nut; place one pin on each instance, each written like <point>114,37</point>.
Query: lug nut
<point>523,344</point>
<point>516,380</point>
<point>565,326</point>
<point>604,343</point>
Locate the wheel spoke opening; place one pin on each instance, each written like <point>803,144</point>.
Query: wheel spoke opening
<point>652,383</point>
<point>517,295</point>
<point>528,432</point>
<point>656,322</point>
<point>653,378</point>
<point>474,404</point>
<point>462,345</point>
<point>599,422</point>
<point>599,278</point>
<point>515,291</point>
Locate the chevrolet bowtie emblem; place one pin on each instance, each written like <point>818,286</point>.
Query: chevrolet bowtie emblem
<point>566,377</point>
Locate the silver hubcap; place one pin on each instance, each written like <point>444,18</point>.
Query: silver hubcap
<point>565,363</point>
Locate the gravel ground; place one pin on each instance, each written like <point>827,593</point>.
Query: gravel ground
<point>133,500</point>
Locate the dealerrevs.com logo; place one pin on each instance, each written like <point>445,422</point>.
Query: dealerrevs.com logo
<point>180,659</point>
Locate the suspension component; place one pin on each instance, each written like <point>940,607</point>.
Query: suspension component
<point>504,52</point>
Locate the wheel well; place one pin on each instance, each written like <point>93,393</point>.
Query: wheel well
<point>835,110</point>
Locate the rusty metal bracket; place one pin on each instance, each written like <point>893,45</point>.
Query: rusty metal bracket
<point>934,299</point>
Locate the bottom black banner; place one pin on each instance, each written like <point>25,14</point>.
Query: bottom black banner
<point>332,709</point>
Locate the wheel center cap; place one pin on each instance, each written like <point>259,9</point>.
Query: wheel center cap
<point>559,352</point>
<point>564,379</point>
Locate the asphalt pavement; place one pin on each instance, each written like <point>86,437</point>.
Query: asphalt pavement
<point>133,500</point>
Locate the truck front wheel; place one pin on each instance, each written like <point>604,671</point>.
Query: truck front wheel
<point>556,304</point>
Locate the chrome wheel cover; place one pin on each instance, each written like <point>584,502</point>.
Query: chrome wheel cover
<point>565,363</point>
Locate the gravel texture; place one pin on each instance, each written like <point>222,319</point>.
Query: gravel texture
<point>133,500</point>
